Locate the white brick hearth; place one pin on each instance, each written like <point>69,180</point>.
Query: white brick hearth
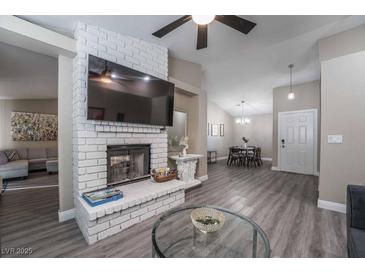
<point>90,138</point>
<point>141,201</point>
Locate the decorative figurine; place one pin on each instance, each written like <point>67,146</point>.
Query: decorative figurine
<point>184,142</point>
<point>245,141</point>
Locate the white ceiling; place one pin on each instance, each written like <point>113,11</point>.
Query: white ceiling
<point>26,75</point>
<point>236,66</point>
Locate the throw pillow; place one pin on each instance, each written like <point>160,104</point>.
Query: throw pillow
<point>12,155</point>
<point>3,158</point>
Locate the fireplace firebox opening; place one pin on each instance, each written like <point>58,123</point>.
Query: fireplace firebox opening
<point>127,163</point>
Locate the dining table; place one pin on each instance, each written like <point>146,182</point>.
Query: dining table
<point>249,153</point>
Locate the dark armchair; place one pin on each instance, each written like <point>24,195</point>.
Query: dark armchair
<point>355,214</point>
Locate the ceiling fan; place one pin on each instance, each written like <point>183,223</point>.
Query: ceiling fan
<point>232,21</point>
<point>107,75</point>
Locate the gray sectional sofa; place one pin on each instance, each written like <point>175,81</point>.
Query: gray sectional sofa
<point>31,159</point>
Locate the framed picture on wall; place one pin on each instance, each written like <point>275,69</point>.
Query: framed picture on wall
<point>208,129</point>
<point>221,130</point>
<point>214,130</point>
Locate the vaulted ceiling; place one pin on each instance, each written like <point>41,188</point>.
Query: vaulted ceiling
<point>236,66</point>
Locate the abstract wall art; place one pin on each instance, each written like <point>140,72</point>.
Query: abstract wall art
<point>26,126</point>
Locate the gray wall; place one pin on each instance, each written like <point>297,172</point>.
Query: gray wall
<point>307,96</point>
<point>195,105</point>
<point>218,116</point>
<point>177,131</point>
<point>343,112</point>
<point>186,71</point>
<point>259,133</point>
<point>48,106</point>
<point>341,44</point>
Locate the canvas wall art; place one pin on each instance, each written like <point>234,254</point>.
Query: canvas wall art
<point>26,126</point>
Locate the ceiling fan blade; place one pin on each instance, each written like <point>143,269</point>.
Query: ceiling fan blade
<point>236,22</point>
<point>172,26</point>
<point>202,39</point>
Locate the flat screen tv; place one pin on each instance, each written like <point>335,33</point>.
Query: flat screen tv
<point>120,94</point>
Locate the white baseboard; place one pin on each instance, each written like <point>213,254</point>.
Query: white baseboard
<point>66,215</point>
<point>266,159</point>
<point>29,187</point>
<point>222,158</point>
<point>332,206</point>
<point>275,168</point>
<point>203,178</point>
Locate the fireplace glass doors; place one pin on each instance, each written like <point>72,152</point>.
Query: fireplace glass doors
<point>127,163</point>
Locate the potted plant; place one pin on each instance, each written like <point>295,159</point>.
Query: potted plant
<point>245,141</point>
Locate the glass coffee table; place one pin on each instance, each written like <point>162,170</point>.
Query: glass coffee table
<point>175,236</point>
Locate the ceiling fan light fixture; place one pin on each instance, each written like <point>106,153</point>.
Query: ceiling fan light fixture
<point>233,21</point>
<point>106,76</point>
<point>105,79</point>
<point>203,19</point>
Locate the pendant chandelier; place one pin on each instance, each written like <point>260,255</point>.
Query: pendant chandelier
<point>242,120</point>
<point>291,95</point>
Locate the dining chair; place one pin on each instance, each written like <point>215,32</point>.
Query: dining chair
<point>229,155</point>
<point>258,156</point>
<point>252,156</point>
<point>243,156</point>
<point>235,156</point>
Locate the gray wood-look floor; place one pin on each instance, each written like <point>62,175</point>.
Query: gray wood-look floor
<point>34,179</point>
<point>283,204</point>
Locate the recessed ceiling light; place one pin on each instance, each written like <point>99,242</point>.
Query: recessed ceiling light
<point>146,78</point>
<point>113,75</point>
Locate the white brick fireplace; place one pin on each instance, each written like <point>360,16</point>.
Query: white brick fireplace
<point>91,138</point>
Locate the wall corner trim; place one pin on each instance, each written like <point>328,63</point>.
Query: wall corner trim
<point>203,178</point>
<point>332,206</point>
<point>275,168</point>
<point>66,215</point>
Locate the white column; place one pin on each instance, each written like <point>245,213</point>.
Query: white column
<point>65,138</point>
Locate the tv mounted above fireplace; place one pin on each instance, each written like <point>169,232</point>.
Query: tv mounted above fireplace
<point>120,94</point>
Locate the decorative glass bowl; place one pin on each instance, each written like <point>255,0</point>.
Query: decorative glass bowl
<point>207,219</point>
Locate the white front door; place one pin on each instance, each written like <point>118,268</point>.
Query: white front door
<point>297,135</point>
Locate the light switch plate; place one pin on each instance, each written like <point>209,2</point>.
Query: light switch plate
<point>334,139</point>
